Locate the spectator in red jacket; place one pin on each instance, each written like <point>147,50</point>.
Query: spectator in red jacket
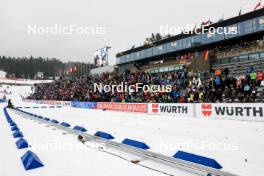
<point>260,77</point>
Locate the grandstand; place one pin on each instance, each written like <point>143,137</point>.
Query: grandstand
<point>203,52</point>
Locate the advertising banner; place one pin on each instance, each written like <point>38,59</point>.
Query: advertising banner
<point>236,111</point>
<point>174,109</point>
<point>87,105</point>
<point>127,107</point>
<point>63,103</point>
<point>48,102</point>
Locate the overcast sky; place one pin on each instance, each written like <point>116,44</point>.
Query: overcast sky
<point>126,23</point>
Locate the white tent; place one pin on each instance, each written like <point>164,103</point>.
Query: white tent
<point>2,74</point>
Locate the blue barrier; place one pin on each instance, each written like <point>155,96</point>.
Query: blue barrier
<point>136,144</point>
<point>78,128</point>
<point>9,120</point>
<point>65,124</point>
<point>87,105</point>
<point>47,119</point>
<point>21,143</point>
<point>12,124</point>
<point>54,121</point>
<point>17,134</point>
<point>31,161</point>
<point>209,162</point>
<point>2,101</point>
<point>104,135</point>
<point>14,128</point>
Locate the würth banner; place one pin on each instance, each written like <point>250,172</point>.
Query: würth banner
<point>177,110</point>
<point>247,111</point>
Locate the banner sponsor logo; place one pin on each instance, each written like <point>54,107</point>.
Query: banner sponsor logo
<point>88,105</point>
<point>207,109</point>
<point>179,110</point>
<point>174,109</point>
<point>63,103</point>
<point>66,103</point>
<point>127,107</point>
<point>231,110</point>
<point>155,108</point>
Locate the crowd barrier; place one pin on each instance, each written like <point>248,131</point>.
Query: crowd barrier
<point>88,105</point>
<point>233,111</point>
<point>50,102</point>
<point>29,160</point>
<point>181,110</point>
<point>127,107</point>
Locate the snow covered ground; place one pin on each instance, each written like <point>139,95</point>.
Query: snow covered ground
<point>16,92</point>
<point>60,153</point>
<point>236,145</point>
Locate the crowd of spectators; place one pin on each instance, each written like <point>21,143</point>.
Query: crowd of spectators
<point>186,87</point>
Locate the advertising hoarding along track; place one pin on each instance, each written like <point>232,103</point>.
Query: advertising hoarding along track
<point>127,107</point>
<point>173,109</point>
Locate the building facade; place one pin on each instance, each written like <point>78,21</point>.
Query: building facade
<point>203,52</point>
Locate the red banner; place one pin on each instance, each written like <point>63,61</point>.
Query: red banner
<point>127,107</point>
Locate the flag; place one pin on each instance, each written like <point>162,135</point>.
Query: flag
<point>258,5</point>
<point>206,55</point>
<point>207,23</point>
<point>70,70</point>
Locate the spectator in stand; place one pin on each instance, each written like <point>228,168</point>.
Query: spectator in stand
<point>217,82</point>
<point>219,95</point>
<point>227,93</point>
<point>185,88</point>
<point>254,94</point>
<point>259,77</point>
<point>253,77</point>
<point>201,96</point>
<point>233,94</point>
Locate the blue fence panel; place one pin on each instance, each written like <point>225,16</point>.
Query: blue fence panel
<point>88,105</point>
<point>198,159</point>
<point>31,161</point>
<point>137,144</point>
<point>104,135</point>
